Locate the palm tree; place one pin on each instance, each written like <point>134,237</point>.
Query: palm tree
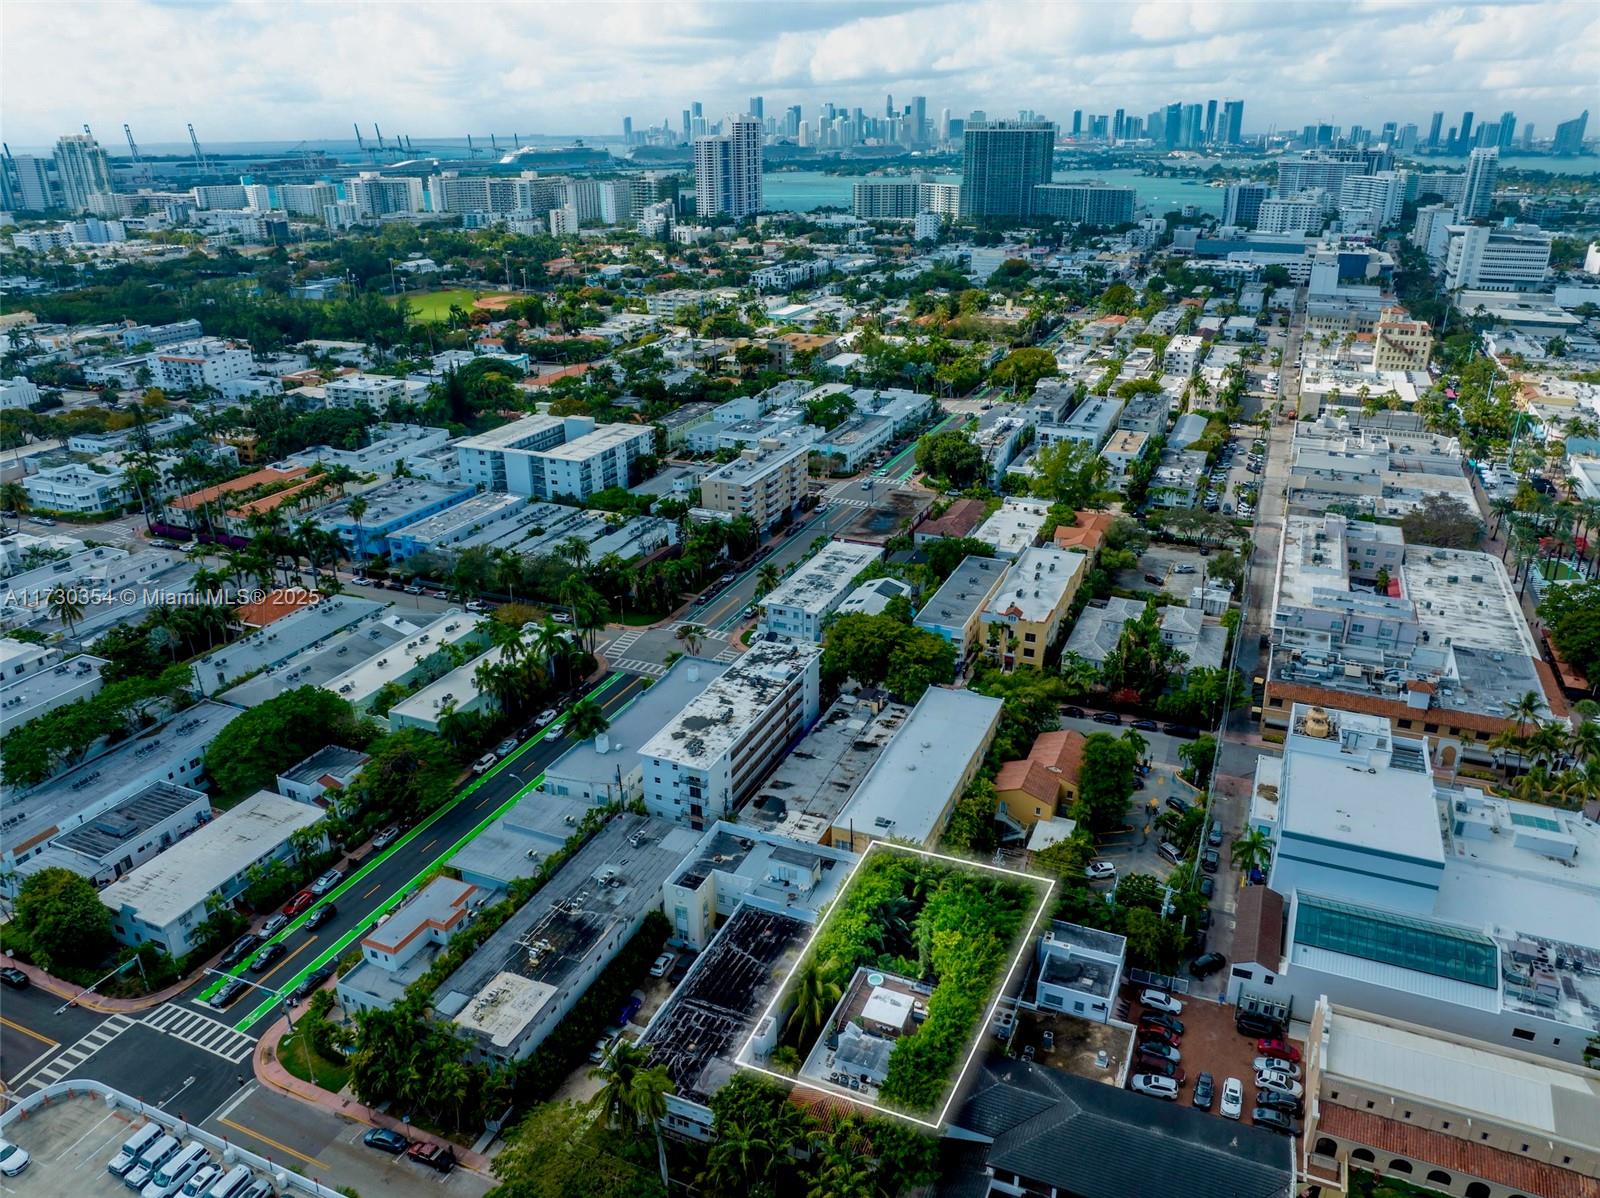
<point>1525,711</point>
<point>633,1093</point>
<point>586,719</point>
<point>815,996</point>
<point>766,579</point>
<point>1583,745</point>
<point>66,606</point>
<point>574,551</point>
<point>358,509</point>
<point>739,1160</point>
<point>1139,743</point>
<point>1252,850</point>
<point>690,636</point>
<point>14,498</point>
<point>1078,673</point>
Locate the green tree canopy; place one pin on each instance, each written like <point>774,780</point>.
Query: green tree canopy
<point>950,457</point>
<point>1105,782</point>
<point>63,919</point>
<point>1022,369</point>
<point>266,740</point>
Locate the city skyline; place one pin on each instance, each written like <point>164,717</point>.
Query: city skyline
<point>1291,66</point>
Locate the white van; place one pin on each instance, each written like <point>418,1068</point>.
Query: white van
<point>1171,852</point>
<point>153,1157</point>
<point>236,1179</point>
<point>169,1179</point>
<point>128,1155</point>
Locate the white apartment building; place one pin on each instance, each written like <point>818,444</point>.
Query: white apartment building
<point>374,391</point>
<point>1372,201</point>
<point>727,170</point>
<point>208,362</point>
<point>1488,258</point>
<point>1183,354</point>
<point>1290,214</point>
<point>307,199</point>
<point>546,456</point>
<point>374,196</point>
<point>17,393</point>
<point>765,483</point>
<point>796,608</point>
<point>219,196</point>
<point>79,488</point>
<point>706,762</point>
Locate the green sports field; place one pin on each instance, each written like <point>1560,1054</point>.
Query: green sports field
<point>435,305</point>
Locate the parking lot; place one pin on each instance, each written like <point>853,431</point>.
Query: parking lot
<point>1210,1044</point>
<point>1178,568</point>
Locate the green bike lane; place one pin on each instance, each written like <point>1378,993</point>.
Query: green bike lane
<point>501,786</point>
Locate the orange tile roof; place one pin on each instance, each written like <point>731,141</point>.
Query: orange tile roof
<point>1495,1165</point>
<point>1053,762</point>
<point>275,606</point>
<point>959,519</point>
<point>1296,692</point>
<point>1062,750</point>
<point>1031,778</point>
<point>1086,533</point>
<point>271,503</point>
<point>244,482</point>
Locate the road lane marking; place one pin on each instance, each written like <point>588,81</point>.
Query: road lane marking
<point>271,1143</point>
<point>308,942</point>
<point>377,886</point>
<point>28,1031</point>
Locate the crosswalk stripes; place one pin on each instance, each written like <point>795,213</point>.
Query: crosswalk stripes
<point>624,640</point>
<point>70,1058</point>
<point>728,654</point>
<point>201,1031</point>
<point>634,666</point>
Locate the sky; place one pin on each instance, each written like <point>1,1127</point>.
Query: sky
<point>288,70</point>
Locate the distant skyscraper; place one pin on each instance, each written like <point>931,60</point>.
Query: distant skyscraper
<point>627,130</point>
<point>944,124</point>
<point>1433,130</point>
<point>791,121</point>
<point>1390,130</point>
<point>1527,135</point>
<point>30,183</point>
<point>1408,137</point>
<point>688,125</point>
<point>1077,122</point>
<point>1242,204</point>
<point>1211,121</point>
<point>919,119</point>
<point>1002,161</point>
<point>83,170</point>
<point>727,170</point>
<point>1508,130</point>
<point>1464,138</point>
<point>1233,122</point>
<point>1569,135</point>
<point>758,108</point>
<point>1174,126</point>
<point>1116,125</point>
<point>1193,125</point>
<point>1477,190</point>
<point>888,106</point>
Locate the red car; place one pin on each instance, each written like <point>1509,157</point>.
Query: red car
<point>1278,1048</point>
<point>299,903</point>
<point>1151,1031</point>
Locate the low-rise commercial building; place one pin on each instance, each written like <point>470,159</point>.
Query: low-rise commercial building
<point>911,790</point>
<point>388,508</point>
<point>266,648</point>
<point>400,949</point>
<point>36,680</point>
<point>166,900</point>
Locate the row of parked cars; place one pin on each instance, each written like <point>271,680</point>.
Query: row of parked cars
<point>1280,1092</point>
<point>262,950</point>
<point>435,1156</point>
<point>155,1164</point>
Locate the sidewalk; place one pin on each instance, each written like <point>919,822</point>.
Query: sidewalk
<point>270,1073</point>
<point>99,1002</point>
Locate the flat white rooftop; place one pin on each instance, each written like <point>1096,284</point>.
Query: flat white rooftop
<point>822,581</point>
<point>1038,581</point>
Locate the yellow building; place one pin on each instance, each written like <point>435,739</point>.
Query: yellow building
<point>1023,616</point>
<point>1402,343</point>
<point>1033,788</point>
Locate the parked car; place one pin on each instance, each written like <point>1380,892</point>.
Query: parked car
<point>240,949</point>
<point>663,965</point>
<point>1163,1068</point>
<point>1099,871</point>
<point>546,718</point>
<point>1277,1065</point>
<point>1210,861</point>
<point>313,983</point>
<point>13,978</point>
<point>1147,725</point>
<point>319,916</point>
<point>274,925</point>
<point>230,990</point>
<point>262,960</point>
<point>1161,1019</point>
<point>435,1156</point>
<point>326,882</point>
<point>506,747</point>
<point>1253,1024</point>
<point>1107,717</point>
<point>1154,1085</point>
<point>1071,712</point>
<point>1214,837</point>
<point>1232,1098</point>
<point>1152,1034</point>
<point>301,900</point>
<point>1160,1000</point>
<point>13,1160</point>
<point>1282,1049</point>
<point>385,838</point>
<point>385,1140</point>
<point>1281,1082</point>
<point>1185,568</point>
<point>1204,1089</point>
<point>1207,964</point>
<point>1157,1050</point>
<point>1275,1120</point>
<point>1208,887</point>
<point>1279,1101</point>
<point>484,764</point>
<point>1181,806</point>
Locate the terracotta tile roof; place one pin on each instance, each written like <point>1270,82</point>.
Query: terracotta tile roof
<point>244,482</point>
<point>276,500</point>
<point>275,606</point>
<point>1086,532</point>
<point>1031,778</point>
<point>1063,750</point>
<point>1493,1165</point>
<point>1258,927</point>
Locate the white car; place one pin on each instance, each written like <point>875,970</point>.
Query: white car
<point>546,717</point>
<point>663,965</point>
<point>1281,1082</point>
<point>1154,1085</point>
<point>1160,1000</point>
<point>1277,1065</point>
<point>13,1160</point>
<point>1099,871</point>
<point>1232,1098</point>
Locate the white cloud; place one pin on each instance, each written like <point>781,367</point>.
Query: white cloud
<point>249,71</point>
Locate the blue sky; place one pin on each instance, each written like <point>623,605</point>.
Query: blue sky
<point>245,71</point>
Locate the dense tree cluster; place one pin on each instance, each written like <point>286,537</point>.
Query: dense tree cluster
<point>880,650</point>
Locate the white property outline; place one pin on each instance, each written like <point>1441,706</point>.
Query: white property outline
<point>793,1081</point>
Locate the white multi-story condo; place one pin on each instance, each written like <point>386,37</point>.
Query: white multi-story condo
<point>1489,258</point>
<point>208,362</point>
<point>547,456</point>
<point>764,483</point>
<point>727,170</point>
<point>374,195</point>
